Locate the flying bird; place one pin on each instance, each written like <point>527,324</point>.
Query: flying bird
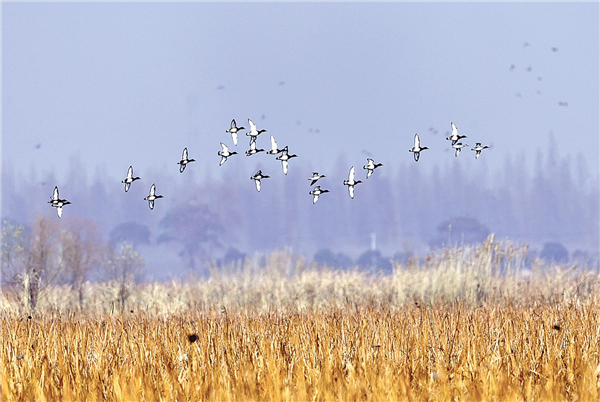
<point>284,158</point>
<point>458,146</point>
<point>253,150</point>
<point>257,178</point>
<point>454,137</point>
<point>478,148</point>
<point>554,49</point>
<point>316,192</point>
<point>274,150</point>
<point>253,131</point>
<point>152,196</point>
<point>225,153</point>
<point>351,182</point>
<point>371,166</point>
<point>315,177</point>
<point>417,148</point>
<point>233,129</point>
<point>129,179</point>
<point>57,202</point>
<point>184,160</point>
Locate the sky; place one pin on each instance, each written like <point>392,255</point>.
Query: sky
<point>119,84</point>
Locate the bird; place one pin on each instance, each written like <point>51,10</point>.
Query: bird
<point>351,182</point>
<point>316,192</point>
<point>233,129</point>
<point>57,202</point>
<point>416,150</point>
<point>512,67</point>
<point>224,154</point>
<point>454,137</point>
<point>371,166</point>
<point>457,147</point>
<point>152,196</point>
<point>274,150</point>
<point>563,104</point>
<point>129,179</point>
<point>257,178</point>
<point>253,150</point>
<point>554,49</point>
<point>478,148</point>
<point>184,160</point>
<point>529,69</point>
<point>284,158</point>
<point>253,131</point>
<point>315,177</point>
<point>38,145</point>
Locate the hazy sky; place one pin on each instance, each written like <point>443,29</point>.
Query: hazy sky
<point>133,83</point>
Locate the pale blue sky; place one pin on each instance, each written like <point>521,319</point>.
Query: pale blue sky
<point>133,83</point>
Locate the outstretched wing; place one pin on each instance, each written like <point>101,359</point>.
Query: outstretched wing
<point>285,165</point>
<point>252,126</point>
<point>55,194</point>
<point>417,141</point>
<point>369,173</point>
<point>351,191</point>
<point>151,204</point>
<point>233,124</point>
<point>59,211</point>
<point>234,138</point>
<point>130,172</point>
<point>253,143</point>
<point>223,159</point>
<point>182,167</point>
<point>153,189</point>
<point>351,175</point>
<point>257,182</point>
<point>370,161</point>
<point>273,144</point>
<point>127,185</point>
<point>225,148</point>
<point>185,154</point>
<point>454,129</point>
<point>457,152</point>
<point>315,198</point>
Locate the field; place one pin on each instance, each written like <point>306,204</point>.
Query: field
<point>468,324</point>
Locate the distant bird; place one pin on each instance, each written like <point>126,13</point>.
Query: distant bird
<point>224,154</point>
<point>257,178</point>
<point>263,117</point>
<point>478,148</point>
<point>563,104</point>
<point>417,148</point>
<point>220,87</point>
<point>284,158</point>
<point>57,202</point>
<point>518,95</point>
<point>512,67</point>
<point>526,44</point>
<point>539,78</point>
<point>538,92</point>
<point>351,182</point>
<point>281,83</point>
<point>38,146</point>
<point>554,49</point>
<point>152,196</point>
<point>274,150</point>
<point>253,131</point>
<point>184,160</point>
<point>529,69</point>
<point>315,177</point>
<point>457,147</point>
<point>371,166</point>
<point>454,137</point>
<point>253,150</point>
<point>316,192</point>
<point>317,131</point>
<point>129,179</point>
<point>233,129</point>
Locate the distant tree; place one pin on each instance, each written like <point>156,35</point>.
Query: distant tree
<point>372,259</point>
<point>554,251</point>
<point>195,227</point>
<point>458,231</point>
<point>232,256</point>
<point>122,264</point>
<point>80,253</point>
<point>328,258</point>
<point>130,232</point>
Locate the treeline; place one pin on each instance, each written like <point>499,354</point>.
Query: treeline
<point>405,207</point>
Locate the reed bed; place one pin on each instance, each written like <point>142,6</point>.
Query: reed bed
<point>470,324</point>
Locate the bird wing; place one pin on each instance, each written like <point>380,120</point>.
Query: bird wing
<point>59,211</point>
<point>315,198</point>
<point>417,141</point>
<point>233,125</point>
<point>252,126</point>
<point>369,173</point>
<point>351,191</point>
<point>55,194</point>
<point>151,204</point>
<point>153,189</point>
<point>223,159</point>
<point>225,148</point>
<point>454,129</point>
<point>273,144</point>
<point>370,161</point>
<point>351,174</point>
<point>185,154</point>
<point>127,185</point>
<point>257,182</point>
<point>130,172</point>
<point>285,165</point>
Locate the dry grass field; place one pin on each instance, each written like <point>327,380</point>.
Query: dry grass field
<point>465,325</point>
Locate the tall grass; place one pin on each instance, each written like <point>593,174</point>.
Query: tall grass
<point>469,324</point>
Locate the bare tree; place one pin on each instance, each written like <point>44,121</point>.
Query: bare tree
<point>122,264</point>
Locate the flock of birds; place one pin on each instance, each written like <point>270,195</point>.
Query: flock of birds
<point>284,156</point>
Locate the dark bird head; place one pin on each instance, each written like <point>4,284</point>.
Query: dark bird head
<point>136,178</point>
<point>378,164</point>
<point>192,338</point>
<point>233,153</point>
<point>556,327</point>
<point>422,148</point>
<point>324,191</point>
<point>292,156</point>
<point>357,181</point>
